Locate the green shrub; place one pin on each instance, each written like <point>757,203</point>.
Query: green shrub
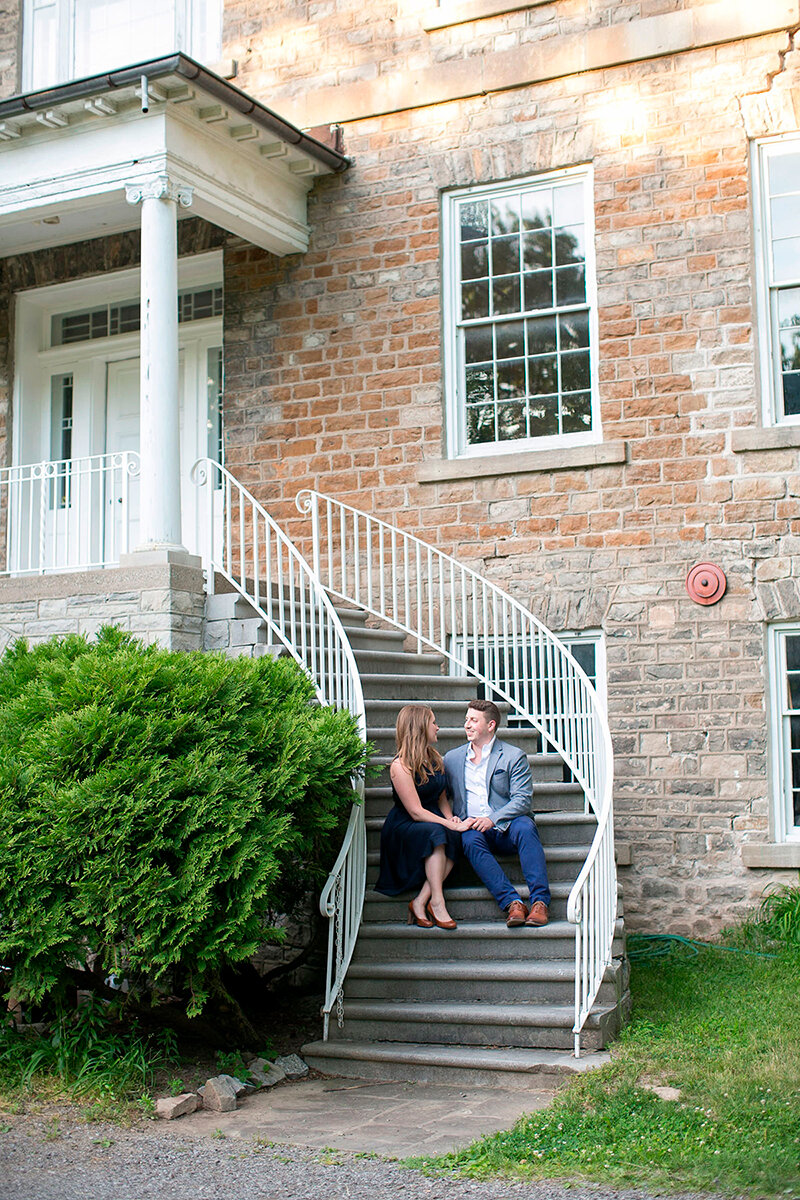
<point>156,806</point>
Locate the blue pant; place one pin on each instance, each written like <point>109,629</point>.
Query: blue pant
<point>522,838</point>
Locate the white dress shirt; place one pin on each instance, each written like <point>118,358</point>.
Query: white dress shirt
<point>475,782</point>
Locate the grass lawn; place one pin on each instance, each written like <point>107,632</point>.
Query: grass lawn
<point>724,1029</point>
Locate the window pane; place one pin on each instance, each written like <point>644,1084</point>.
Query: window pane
<point>574,330</point>
<point>570,285</point>
<point>505,295</point>
<point>537,250</point>
<point>791,394</point>
<point>474,260</point>
<point>568,204</point>
<point>480,384</point>
<point>478,343</point>
<point>543,416</point>
<point>786,259</point>
<point>505,255</point>
<point>783,173</point>
<point>474,215</point>
<point>542,375</point>
<point>542,334</point>
<point>511,422</point>
<point>511,379</point>
<point>510,339</point>
<point>785,212</point>
<point>44,52</point>
<point>505,215</point>
<point>576,413</point>
<point>537,210</point>
<point>793,681</point>
<point>575,371</point>
<point>539,290</point>
<point>480,424</point>
<point>793,652</point>
<point>475,300</point>
<point>569,245</point>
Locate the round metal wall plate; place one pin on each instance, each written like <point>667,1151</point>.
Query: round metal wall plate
<point>706,583</point>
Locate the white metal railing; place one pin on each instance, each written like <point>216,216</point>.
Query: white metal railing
<point>256,557</point>
<point>71,514</point>
<point>486,633</point>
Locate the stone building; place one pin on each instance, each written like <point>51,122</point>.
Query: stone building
<point>524,286</point>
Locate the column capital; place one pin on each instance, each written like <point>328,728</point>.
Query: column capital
<point>159,187</point>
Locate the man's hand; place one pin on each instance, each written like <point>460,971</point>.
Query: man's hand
<point>482,824</point>
<point>463,825</point>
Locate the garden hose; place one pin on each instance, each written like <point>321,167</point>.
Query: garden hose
<point>642,947</point>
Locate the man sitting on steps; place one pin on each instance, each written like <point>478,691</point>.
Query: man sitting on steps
<point>489,783</point>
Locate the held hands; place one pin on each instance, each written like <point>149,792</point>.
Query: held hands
<point>482,824</point>
<point>461,826</point>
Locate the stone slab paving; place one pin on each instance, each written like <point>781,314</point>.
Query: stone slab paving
<point>394,1119</point>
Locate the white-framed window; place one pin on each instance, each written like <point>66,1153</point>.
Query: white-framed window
<point>70,39</point>
<point>777,213</point>
<point>520,314</point>
<point>587,648</point>
<point>784,671</point>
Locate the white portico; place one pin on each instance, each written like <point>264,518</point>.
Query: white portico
<point>138,148</point>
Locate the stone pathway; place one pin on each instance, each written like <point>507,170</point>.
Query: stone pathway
<point>394,1119</point>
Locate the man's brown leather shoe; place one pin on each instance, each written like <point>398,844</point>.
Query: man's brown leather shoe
<point>538,914</point>
<point>516,914</point>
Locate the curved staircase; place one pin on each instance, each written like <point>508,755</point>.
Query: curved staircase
<point>482,1003</point>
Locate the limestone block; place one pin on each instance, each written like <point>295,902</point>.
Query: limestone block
<point>265,1073</point>
<point>219,1094</point>
<point>293,1066</point>
<point>170,1107</point>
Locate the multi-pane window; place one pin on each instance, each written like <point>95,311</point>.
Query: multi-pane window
<point>194,304</point>
<point>70,39</point>
<point>520,313</point>
<point>784,659</point>
<point>778,219</point>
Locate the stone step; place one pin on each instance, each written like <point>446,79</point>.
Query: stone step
<point>450,738</point>
<point>226,601</point>
<point>512,1026</point>
<point>550,795</point>
<point>398,687</point>
<point>543,766</point>
<point>555,828</point>
<point>470,904</point>
<point>390,662</point>
<point>471,981</point>
<point>473,939</point>
<point>563,863</point>
<point>459,1066</point>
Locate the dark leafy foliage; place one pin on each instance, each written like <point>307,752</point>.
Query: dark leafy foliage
<point>156,806</point>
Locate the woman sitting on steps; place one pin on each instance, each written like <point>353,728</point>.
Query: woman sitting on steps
<point>420,839</point>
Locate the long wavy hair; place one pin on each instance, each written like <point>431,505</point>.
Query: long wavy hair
<point>413,749</point>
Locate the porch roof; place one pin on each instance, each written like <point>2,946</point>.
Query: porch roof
<point>68,153</point>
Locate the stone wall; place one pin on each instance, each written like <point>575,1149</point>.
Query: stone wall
<point>163,604</point>
<point>334,378</point>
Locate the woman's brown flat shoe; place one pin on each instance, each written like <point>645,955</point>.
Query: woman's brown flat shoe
<point>440,924</point>
<point>413,919</point>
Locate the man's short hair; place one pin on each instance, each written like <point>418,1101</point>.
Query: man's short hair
<point>489,708</point>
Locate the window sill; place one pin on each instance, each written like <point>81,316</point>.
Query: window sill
<point>771,854</point>
<point>526,463</point>
<point>458,12</point>
<point>773,437</point>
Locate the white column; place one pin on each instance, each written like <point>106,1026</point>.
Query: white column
<point>159,401</point>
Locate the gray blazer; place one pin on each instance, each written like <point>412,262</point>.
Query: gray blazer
<point>508,781</point>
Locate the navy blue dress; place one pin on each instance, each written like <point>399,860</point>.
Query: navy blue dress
<point>406,843</point>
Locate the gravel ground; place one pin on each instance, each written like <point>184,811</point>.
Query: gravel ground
<point>49,1158</point>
